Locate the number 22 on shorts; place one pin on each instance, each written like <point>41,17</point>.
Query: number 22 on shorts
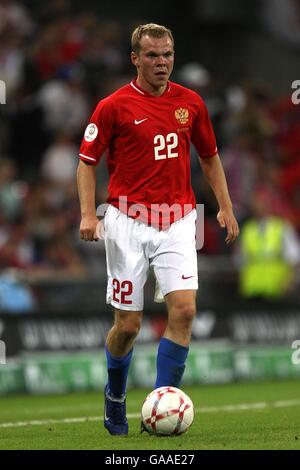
<point>121,290</point>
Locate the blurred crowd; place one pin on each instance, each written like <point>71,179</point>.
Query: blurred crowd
<point>56,66</point>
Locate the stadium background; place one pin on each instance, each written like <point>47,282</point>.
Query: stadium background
<point>57,60</point>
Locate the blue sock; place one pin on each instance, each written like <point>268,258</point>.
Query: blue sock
<point>117,369</point>
<point>170,363</point>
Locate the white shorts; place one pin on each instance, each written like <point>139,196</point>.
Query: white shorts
<point>133,248</point>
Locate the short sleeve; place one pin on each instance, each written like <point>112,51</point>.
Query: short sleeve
<point>98,133</point>
<point>203,136</point>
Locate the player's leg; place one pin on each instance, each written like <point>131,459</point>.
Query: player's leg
<point>175,266</point>
<point>181,307</point>
<point>119,347</point>
<point>127,270</point>
<point>174,345</point>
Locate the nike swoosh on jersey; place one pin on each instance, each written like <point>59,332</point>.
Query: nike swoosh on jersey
<point>139,122</point>
<point>186,277</point>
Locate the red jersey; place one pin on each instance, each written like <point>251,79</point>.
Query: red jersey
<point>148,140</point>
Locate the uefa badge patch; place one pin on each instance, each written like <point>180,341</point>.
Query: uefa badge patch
<point>91,132</point>
<point>182,115</point>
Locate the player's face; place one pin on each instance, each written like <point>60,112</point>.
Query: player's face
<point>154,63</point>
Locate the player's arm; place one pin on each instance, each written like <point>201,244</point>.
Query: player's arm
<point>86,183</point>
<point>203,138</point>
<point>213,170</point>
<point>96,139</point>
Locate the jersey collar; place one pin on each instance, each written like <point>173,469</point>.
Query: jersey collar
<point>140,90</point>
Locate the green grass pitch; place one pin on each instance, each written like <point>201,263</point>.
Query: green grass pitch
<point>262,415</point>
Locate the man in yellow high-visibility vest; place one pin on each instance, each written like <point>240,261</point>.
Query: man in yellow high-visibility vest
<point>270,250</point>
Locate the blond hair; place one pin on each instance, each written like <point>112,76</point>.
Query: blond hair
<point>151,29</point>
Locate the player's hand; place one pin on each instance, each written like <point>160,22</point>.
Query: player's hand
<point>88,229</point>
<point>227,219</point>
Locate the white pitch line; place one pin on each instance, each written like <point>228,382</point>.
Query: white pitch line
<point>208,409</point>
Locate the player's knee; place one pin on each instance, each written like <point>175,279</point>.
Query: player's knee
<point>189,312</point>
<point>185,313</point>
<point>129,328</point>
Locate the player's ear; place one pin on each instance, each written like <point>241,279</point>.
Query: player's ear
<point>135,59</point>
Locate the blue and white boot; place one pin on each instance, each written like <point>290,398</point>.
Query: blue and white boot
<point>115,420</point>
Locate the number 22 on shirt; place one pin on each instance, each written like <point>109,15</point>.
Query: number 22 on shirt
<point>164,147</point>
